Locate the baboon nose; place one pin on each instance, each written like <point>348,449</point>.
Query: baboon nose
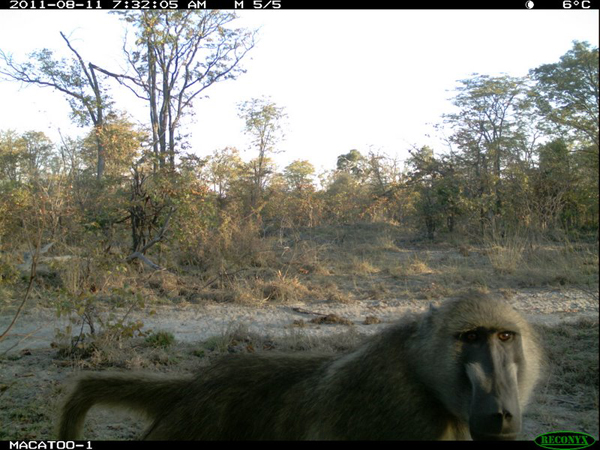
<point>499,425</point>
<point>499,421</point>
<point>503,421</point>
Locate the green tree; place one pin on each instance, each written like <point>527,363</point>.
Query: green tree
<point>88,99</point>
<point>352,162</point>
<point>346,197</point>
<point>39,152</point>
<point>555,182</point>
<point>438,190</point>
<point>300,204</point>
<point>12,157</point>
<point>122,142</point>
<point>567,92</point>
<point>25,157</point>
<point>222,170</point>
<point>567,96</point>
<point>299,175</point>
<point>424,174</point>
<point>264,124</point>
<point>490,133</point>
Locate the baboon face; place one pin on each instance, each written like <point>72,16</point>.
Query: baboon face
<point>486,363</point>
<point>491,358</point>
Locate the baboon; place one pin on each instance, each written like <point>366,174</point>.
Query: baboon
<point>464,370</point>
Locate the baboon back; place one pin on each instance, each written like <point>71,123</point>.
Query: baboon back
<point>243,397</point>
<point>464,370</point>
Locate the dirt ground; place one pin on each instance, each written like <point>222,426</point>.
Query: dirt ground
<point>33,372</point>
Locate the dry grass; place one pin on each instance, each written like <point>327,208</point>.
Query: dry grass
<point>568,396</point>
<point>373,261</point>
<point>506,256</point>
<point>541,263</point>
<point>235,263</point>
<point>414,265</point>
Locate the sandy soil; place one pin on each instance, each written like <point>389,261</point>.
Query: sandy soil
<point>191,323</point>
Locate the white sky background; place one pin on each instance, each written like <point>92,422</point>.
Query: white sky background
<point>361,79</point>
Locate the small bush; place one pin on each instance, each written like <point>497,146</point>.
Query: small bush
<point>160,339</point>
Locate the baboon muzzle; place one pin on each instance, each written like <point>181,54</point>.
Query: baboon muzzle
<point>495,418</point>
<point>495,413</point>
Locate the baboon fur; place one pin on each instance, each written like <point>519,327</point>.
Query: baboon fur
<point>413,381</point>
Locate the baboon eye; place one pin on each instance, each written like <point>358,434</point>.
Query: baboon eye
<point>470,336</point>
<point>505,336</point>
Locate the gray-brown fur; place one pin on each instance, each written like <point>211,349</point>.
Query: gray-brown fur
<point>411,381</point>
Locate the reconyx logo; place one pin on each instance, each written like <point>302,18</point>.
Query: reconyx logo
<point>564,439</point>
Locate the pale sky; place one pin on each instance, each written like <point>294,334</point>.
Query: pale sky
<point>364,79</point>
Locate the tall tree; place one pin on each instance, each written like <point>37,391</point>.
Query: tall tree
<point>264,124</point>
<point>488,131</point>
<point>177,56</point>
<point>567,96</point>
<point>567,92</point>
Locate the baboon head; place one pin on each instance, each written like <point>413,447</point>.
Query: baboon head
<point>487,364</point>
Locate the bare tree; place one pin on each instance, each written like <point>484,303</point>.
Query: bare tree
<point>177,55</point>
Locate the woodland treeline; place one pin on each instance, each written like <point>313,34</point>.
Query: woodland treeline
<point>521,156</point>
